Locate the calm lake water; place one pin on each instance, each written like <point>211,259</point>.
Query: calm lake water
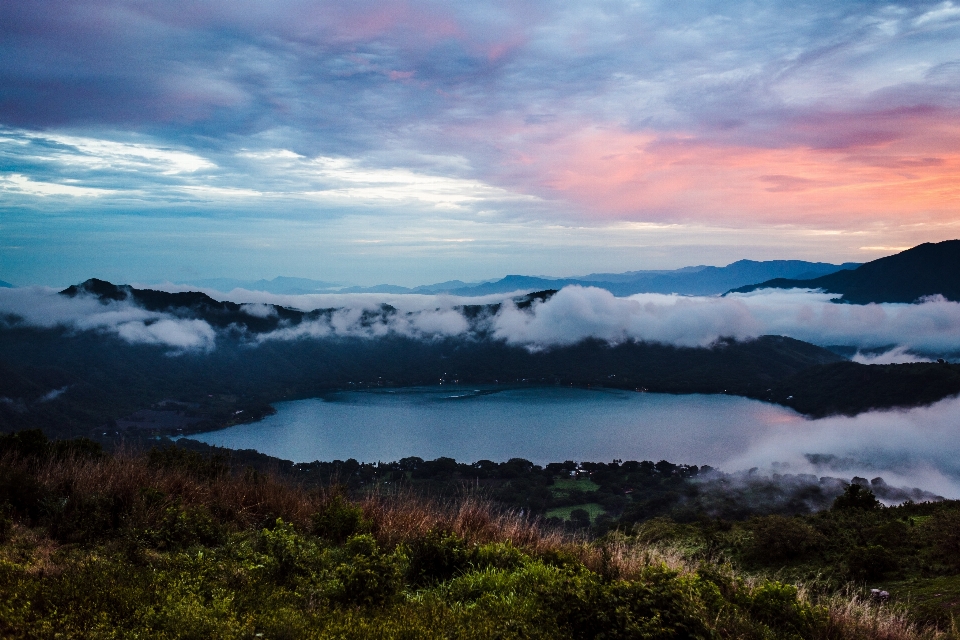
<point>547,424</point>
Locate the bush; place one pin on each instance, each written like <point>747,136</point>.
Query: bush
<point>942,532</point>
<point>6,522</point>
<point>435,557</point>
<point>871,562</point>
<point>84,518</point>
<point>580,518</point>
<point>20,490</point>
<point>338,520</point>
<point>182,527</point>
<point>777,605</point>
<point>497,555</point>
<point>32,443</point>
<point>368,577</point>
<point>776,539</point>
<point>288,555</point>
<point>659,604</point>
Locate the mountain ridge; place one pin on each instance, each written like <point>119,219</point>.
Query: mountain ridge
<point>928,269</point>
<point>691,280</point>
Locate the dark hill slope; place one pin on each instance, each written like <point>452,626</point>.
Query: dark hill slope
<point>193,304</point>
<point>849,388</point>
<point>100,378</point>
<point>925,270</point>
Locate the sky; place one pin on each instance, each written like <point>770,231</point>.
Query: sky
<point>413,142</point>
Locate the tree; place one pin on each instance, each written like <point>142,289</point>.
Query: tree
<point>856,497</point>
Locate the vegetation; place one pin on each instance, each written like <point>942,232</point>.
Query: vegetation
<point>173,544</point>
<point>849,388</point>
<point>912,550</point>
<point>614,495</point>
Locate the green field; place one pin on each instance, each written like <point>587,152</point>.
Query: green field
<point>592,508</point>
<point>564,485</point>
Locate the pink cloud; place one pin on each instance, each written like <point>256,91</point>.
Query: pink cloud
<point>898,166</point>
<point>400,75</point>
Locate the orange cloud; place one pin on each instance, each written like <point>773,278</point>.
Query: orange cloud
<point>907,170</point>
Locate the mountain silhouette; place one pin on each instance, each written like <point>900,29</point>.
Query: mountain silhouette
<point>928,269</point>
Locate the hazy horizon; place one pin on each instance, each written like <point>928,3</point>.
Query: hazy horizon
<point>206,282</point>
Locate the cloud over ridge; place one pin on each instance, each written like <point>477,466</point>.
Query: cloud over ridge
<point>572,315</point>
<point>46,308</point>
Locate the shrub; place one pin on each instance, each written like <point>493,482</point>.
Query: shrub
<point>580,518</point>
<point>942,531</point>
<point>181,527</point>
<point>84,518</point>
<point>338,520</point>
<point>20,490</point>
<point>288,554</point>
<point>6,521</point>
<point>497,555</point>
<point>871,562</point>
<point>777,605</point>
<point>368,577</point>
<point>439,555</point>
<point>30,443</point>
<point>658,604</point>
<point>776,539</point>
<point>33,444</point>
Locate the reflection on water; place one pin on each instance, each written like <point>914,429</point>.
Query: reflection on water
<point>541,424</point>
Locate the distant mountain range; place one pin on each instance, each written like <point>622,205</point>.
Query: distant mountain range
<point>698,280</point>
<point>5,285</point>
<point>925,270</point>
<point>279,285</point>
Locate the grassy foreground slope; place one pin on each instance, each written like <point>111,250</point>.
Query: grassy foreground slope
<point>174,545</point>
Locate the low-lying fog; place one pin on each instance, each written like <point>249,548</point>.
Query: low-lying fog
<point>573,314</point>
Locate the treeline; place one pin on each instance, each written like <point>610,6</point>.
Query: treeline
<point>619,493</point>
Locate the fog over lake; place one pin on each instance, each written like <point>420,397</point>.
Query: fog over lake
<point>543,424</point>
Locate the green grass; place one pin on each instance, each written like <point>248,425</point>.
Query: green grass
<point>930,599</point>
<point>592,508</point>
<point>564,485</point>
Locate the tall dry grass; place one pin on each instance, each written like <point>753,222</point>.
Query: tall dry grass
<point>851,616</point>
<point>246,500</point>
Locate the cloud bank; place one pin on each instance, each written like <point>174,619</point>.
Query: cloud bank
<point>885,332</point>
<point>44,307</point>
<point>576,313</point>
<point>916,447</point>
